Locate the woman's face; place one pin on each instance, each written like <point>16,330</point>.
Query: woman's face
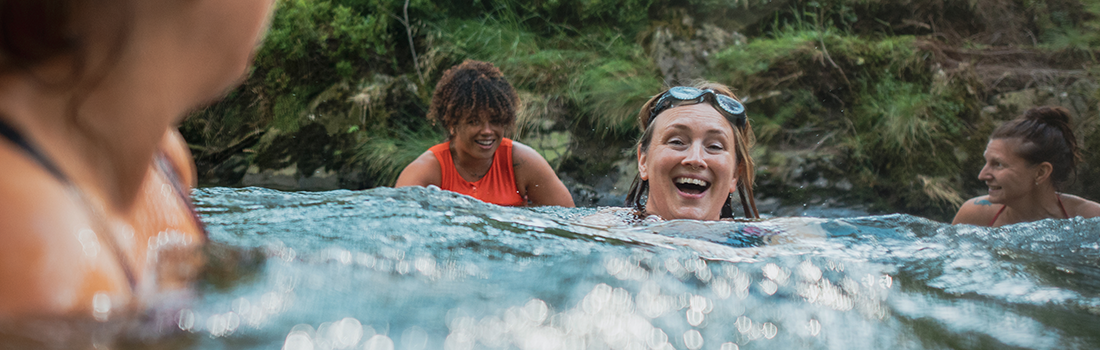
<point>691,164</point>
<point>1008,175</point>
<point>477,137</point>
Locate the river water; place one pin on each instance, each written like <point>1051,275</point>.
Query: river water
<point>418,268</point>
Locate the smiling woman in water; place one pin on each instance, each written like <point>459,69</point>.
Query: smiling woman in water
<point>94,198</point>
<point>478,108</point>
<point>693,155</point>
<point>1026,161</point>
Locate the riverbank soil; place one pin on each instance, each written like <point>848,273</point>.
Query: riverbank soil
<point>880,105</point>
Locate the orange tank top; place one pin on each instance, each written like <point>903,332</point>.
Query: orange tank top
<point>498,186</point>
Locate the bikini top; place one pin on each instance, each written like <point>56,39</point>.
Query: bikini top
<point>164,166</point>
<point>1059,197</point>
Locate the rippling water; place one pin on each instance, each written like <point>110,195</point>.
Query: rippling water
<point>425,269</point>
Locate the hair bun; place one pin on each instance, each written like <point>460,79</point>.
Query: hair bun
<point>1056,116</point>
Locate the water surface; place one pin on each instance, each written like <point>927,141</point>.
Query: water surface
<point>419,268</point>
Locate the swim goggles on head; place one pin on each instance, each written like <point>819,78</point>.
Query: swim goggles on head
<point>685,95</point>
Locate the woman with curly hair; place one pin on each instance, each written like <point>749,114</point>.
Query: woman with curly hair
<point>1027,160</point>
<point>478,108</point>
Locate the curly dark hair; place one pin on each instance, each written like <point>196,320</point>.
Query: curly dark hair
<point>474,90</point>
<point>1045,136</point>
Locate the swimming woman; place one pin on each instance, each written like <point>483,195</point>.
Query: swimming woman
<point>1027,161</point>
<point>693,155</point>
<point>94,197</point>
<point>478,108</point>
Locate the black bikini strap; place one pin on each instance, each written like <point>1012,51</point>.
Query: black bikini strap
<point>97,217</point>
<point>16,138</point>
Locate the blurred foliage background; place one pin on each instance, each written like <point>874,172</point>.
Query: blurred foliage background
<point>881,104</point>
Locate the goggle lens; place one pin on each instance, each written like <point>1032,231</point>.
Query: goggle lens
<point>684,95</point>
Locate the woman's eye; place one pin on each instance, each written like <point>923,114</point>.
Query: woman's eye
<point>716,147</point>
<point>675,142</point>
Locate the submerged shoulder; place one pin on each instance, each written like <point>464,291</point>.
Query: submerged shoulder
<point>1077,206</point>
<point>176,150</point>
<point>423,171</point>
<point>976,211</point>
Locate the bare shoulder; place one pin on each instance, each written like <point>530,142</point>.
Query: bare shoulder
<point>976,211</point>
<point>523,156</point>
<point>1077,206</point>
<point>51,261</point>
<point>423,171</point>
<point>536,180</point>
<point>175,148</point>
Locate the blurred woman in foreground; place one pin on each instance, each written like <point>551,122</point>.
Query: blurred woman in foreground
<point>693,154</point>
<point>478,107</point>
<point>94,199</point>
<point>1026,161</point>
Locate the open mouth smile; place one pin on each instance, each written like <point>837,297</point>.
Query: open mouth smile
<point>485,143</point>
<point>691,186</point>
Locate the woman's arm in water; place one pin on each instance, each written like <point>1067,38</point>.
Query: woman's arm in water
<point>537,179</point>
<point>423,171</point>
<point>977,211</point>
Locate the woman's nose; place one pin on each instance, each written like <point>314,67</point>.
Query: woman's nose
<point>486,128</point>
<point>984,174</point>
<point>694,157</point>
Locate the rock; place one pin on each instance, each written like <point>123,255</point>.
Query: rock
<point>681,57</point>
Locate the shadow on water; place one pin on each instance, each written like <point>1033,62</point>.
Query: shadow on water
<point>419,268</point>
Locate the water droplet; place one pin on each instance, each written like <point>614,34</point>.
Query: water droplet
<point>695,317</point>
<point>693,339</point>
<point>346,332</point>
<point>378,342</point>
<point>814,327</point>
<point>768,287</point>
<point>770,330</point>
<point>186,319</point>
<point>536,310</point>
<point>657,338</point>
<point>101,306</point>
<point>298,341</point>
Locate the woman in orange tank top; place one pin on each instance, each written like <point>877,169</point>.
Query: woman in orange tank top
<point>478,108</point>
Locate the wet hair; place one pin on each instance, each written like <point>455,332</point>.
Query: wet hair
<point>474,90</point>
<point>1045,136</point>
<point>743,141</point>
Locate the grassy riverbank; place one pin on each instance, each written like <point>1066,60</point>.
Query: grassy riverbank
<point>878,102</point>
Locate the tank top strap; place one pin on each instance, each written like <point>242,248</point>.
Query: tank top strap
<point>995,216</point>
<point>1060,205</point>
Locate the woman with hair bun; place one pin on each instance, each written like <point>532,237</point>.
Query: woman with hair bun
<point>1027,161</point>
<point>478,107</point>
